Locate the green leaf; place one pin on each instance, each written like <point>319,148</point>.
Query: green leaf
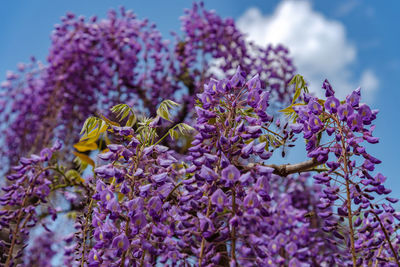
<point>80,164</point>
<point>122,111</point>
<point>109,122</point>
<point>92,129</point>
<point>93,136</point>
<point>264,138</point>
<point>289,111</point>
<point>271,141</point>
<point>74,176</point>
<point>90,124</point>
<point>296,95</point>
<point>165,106</point>
<point>173,134</point>
<point>125,114</point>
<point>86,124</point>
<point>185,129</point>
<point>163,112</point>
<point>300,85</point>
<point>131,120</point>
<point>171,104</point>
<point>84,127</point>
<point>93,122</point>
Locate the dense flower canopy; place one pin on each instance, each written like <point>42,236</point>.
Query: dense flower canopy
<point>183,173</point>
<point>95,64</point>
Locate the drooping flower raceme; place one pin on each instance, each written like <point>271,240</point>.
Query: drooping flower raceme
<point>29,187</point>
<point>365,226</point>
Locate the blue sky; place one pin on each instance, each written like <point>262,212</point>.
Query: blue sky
<point>351,42</point>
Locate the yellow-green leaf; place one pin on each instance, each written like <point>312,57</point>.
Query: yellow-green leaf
<point>74,175</point>
<point>163,109</point>
<point>296,94</point>
<point>84,158</point>
<point>85,146</point>
<point>131,120</point>
<point>94,135</point>
<point>290,109</point>
<point>109,121</point>
<point>173,134</point>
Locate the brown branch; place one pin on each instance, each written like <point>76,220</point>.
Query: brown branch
<point>233,233</point>
<point>286,169</point>
<point>85,229</point>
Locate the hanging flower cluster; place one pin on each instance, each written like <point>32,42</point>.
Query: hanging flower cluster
<point>366,226</point>
<point>242,202</point>
<point>29,188</point>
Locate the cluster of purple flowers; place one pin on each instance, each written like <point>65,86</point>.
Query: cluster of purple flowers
<point>223,204</point>
<point>28,188</point>
<point>131,218</point>
<point>350,189</point>
<point>94,64</point>
<point>241,199</point>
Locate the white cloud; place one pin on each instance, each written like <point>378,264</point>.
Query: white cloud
<point>318,45</point>
<point>369,83</point>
